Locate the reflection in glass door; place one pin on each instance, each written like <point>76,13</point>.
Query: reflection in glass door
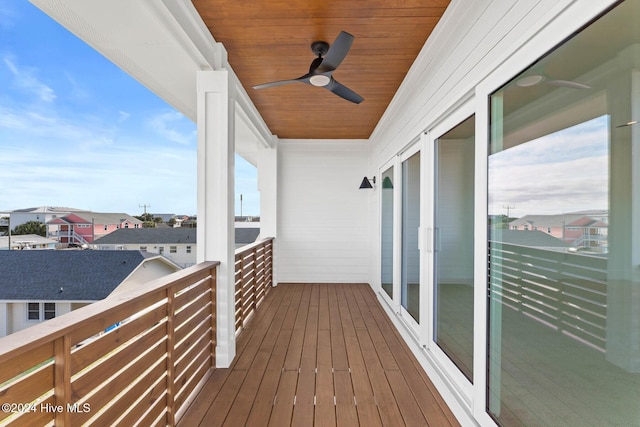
<point>453,273</point>
<point>410,285</point>
<point>387,232</point>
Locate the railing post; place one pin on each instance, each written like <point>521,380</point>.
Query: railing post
<point>254,287</point>
<point>213,282</point>
<point>240,302</point>
<point>269,274</point>
<point>62,379</point>
<point>171,312</point>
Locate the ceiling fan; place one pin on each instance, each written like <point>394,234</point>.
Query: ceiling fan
<point>321,70</point>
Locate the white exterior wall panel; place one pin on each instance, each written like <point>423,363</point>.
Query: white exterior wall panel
<point>324,217</point>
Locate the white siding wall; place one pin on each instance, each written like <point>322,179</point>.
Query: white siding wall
<point>324,217</point>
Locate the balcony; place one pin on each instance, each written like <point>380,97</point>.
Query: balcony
<point>306,354</point>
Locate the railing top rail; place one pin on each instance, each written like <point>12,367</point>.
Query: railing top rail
<point>600,257</point>
<point>27,339</point>
<point>252,246</point>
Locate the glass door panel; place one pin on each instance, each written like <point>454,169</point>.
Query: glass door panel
<point>387,232</point>
<point>564,233</point>
<point>410,284</point>
<point>453,272</point>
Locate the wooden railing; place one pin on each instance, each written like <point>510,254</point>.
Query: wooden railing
<point>71,371</point>
<point>566,291</point>
<point>254,278</point>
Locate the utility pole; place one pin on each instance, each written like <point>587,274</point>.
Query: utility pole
<point>145,208</point>
<point>508,208</point>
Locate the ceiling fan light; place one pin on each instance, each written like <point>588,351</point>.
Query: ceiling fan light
<point>319,80</point>
<point>531,80</point>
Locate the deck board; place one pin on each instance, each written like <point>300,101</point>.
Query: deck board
<point>323,355</point>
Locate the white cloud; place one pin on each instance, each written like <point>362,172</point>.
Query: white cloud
<point>123,116</point>
<point>167,125</point>
<point>25,78</point>
<point>7,15</point>
<point>564,172</point>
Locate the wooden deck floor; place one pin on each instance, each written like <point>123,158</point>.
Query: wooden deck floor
<point>325,355</point>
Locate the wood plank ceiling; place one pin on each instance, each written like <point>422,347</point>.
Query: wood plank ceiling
<point>269,40</point>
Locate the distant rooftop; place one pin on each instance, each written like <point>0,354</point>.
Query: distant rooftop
<point>48,209</point>
<point>125,236</point>
<point>135,236</point>
<point>530,238</point>
<point>65,275</point>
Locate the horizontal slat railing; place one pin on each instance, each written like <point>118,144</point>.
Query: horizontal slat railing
<point>69,371</point>
<point>566,291</point>
<point>254,278</point>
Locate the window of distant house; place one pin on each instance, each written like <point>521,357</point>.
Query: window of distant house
<point>143,248</point>
<point>33,311</point>
<point>161,250</point>
<point>136,226</point>
<point>126,225</point>
<point>105,227</point>
<point>37,311</point>
<point>548,229</point>
<point>49,310</point>
<point>188,249</point>
<point>173,249</point>
<point>526,227</point>
<point>118,227</point>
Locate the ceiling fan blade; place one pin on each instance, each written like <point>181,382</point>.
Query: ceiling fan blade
<point>344,92</point>
<point>569,84</point>
<point>302,79</point>
<point>337,52</point>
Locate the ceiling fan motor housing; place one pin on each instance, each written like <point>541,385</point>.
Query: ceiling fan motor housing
<point>319,48</point>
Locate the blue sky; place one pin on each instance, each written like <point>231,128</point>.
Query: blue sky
<point>77,131</point>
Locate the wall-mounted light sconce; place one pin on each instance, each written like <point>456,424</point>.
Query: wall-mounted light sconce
<point>631,123</point>
<point>366,183</point>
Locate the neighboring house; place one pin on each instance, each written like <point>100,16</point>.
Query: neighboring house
<point>580,229</point>
<point>82,228</point>
<point>26,241</point>
<point>177,244</point>
<point>41,214</point>
<point>39,285</point>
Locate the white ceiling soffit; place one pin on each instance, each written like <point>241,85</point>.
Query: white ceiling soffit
<point>145,39</point>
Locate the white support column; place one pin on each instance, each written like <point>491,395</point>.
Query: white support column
<point>216,147</point>
<point>623,290</point>
<point>268,187</point>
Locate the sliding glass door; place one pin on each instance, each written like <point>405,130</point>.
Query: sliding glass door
<point>410,281</point>
<point>454,244</point>
<point>564,233</point>
<point>386,232</point>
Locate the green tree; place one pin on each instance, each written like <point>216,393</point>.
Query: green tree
<point>145,217</point>
<point>31,227</point>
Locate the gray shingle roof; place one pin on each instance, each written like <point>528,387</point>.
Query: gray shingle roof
<point>83,275</point>
<point>530,238</point>
<point>134,236</point>
<point>246,235</point>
